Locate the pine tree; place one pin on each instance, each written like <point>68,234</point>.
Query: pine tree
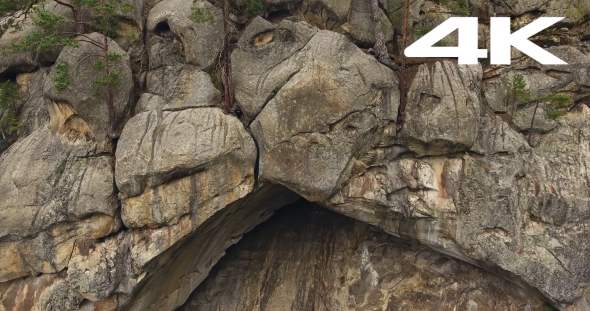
<point>50,34</point>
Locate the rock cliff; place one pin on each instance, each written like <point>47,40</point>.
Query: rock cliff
<point>129,199</point>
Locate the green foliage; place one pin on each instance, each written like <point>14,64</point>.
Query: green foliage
<point>200,15</point>
<point>518,91</point>
<point>107,15</point>
<point>62,77</point>
<point>12,13</point>
<point>554,115</point>
<point>254,8</point>
<point>556,104</point>
<point>10,96</point>
<point>459,7</point>
<point>422,31</point>
<point>47,37</point>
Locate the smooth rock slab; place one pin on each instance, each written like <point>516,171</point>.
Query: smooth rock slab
<point>202,42</point>
<point>330,110</point>
<point>172,163</point>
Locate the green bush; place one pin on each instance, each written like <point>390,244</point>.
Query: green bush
<point>61,79</point>
<point>10,96</point>
<point>556,104</point>
<point>201,15</point>
<point>518,91</point>
<point>254,8</point>
<point>459,7</point>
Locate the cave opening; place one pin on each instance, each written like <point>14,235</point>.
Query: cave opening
<point>306,257</point>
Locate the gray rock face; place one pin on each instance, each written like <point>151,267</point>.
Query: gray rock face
<point>443,111</point>
<point>201,42</point>
<point>34,113</point>
<point>307,258</point>
<point>185,87</point>
<point>153,151</point>
<point>306,121</point>
<point>80,92</point>
<point>510,208</point>
<point>45,195</point>
<point>541,80</point>
<point>465,176</point>
<point>266,60</point>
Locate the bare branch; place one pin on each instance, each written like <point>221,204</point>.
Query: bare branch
<point>88,39</point>
<point>91,42</point>
<point>71,6</point>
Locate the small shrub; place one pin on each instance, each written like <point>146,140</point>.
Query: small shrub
<point>556,104</point>
<point>61,79</point>
<point>10,96</point>
<point>459,7</point>
<point>518,91</point>
<point>422,31</point>
<point>201,15</point>
<point>254,8</point>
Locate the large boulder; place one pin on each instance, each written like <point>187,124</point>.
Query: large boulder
<point>266,58</point>
<point>48,201</point>
<point>163,149</point>
<point>442,113</point>
<point>84,95</point>
<point>332,104</point>
<point>202,41</point>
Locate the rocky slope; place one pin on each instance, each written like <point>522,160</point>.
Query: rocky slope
<point>493,209</point>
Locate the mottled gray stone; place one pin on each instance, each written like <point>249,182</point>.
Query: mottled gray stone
<point>80,93</point>
<point>201,42</point>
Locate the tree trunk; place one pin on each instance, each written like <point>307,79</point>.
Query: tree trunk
<point>78,20</point>
<point>227,72</point>
<point>77,13</point>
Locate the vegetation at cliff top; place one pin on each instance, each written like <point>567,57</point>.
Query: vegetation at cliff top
<point>54,30</point>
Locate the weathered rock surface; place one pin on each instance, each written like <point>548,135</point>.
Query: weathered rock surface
<point>331,105</point>
<point>157,147</point>
<point>34,113</point>
<point>266,60</point>
<point>307,258</point>
<point>81,94</point>
<point>454,204</point>
<point>443,115</point>
<point>465,176</point>
<point>185,87</point>
<point>201,42</point>
<point>49,183</point>
<point>49,292</point>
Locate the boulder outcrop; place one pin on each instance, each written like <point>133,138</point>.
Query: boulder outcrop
<point>479,200</point>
